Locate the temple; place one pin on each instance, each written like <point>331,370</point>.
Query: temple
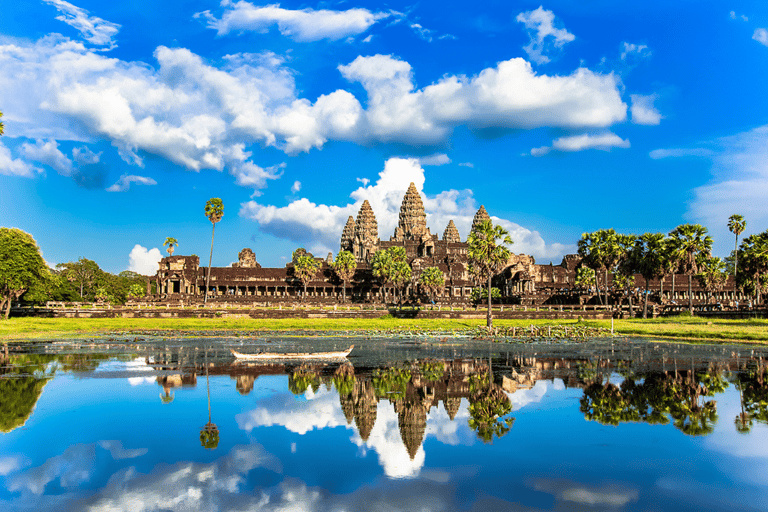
<point>522,281</point>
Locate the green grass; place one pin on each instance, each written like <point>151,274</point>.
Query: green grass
<point>675,328</point>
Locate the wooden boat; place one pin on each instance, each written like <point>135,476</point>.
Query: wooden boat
<point>293,355</point>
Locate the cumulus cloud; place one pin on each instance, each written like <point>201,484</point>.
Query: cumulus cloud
<point>304,25</point>
<point>200,116</point>
<point>319,226</point>
<point>48,153</point>
<point>741,17</point>
<point>296,187</point>
<point>436,159</point>
<point>144,261</point>
<point>544,36</point>
<point>124,183</point>
<point>94,30</point>
<point>761,36</point>
<point>9,465</point>
<point>603,141</point>
<point>643,111</point>
<point>10,166</point>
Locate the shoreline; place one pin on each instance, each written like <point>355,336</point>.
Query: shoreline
<point>675,329</point>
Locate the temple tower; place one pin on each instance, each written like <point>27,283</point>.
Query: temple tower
<point>413,220</point>
<point>348,235</point>
<point>451,233</point>
<point>366,238</point>
<point>480,216</point>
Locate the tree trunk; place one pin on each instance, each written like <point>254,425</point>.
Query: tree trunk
<point>672,292</point>
<point>645,302</point>
<point>606,286</point>
<point>304,296</point>
<point>736,255</point>
<point>661,290</point>
<point>344,292</point>
<point>7,307</point>
<point>690,294</point>
<point>490,318</point>
<point>210,259</point>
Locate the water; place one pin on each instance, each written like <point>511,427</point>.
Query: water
<point>405,424</point>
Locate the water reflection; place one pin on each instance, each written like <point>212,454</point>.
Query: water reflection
<point>514,429</point>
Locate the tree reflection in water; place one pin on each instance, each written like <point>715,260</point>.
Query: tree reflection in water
<point>209,435</point>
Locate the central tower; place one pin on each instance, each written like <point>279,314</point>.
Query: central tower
<point>412,224</point>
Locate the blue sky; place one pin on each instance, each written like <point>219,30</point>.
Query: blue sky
<point>122,120</point>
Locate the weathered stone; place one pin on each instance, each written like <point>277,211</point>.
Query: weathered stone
<point>480,216</point>
<point>451,234</point>
<point>348,235</point>
<point>366,233</point>
<point>413,220</point>
<point>247,259</point>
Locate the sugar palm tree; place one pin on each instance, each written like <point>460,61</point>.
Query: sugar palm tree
<point>690,241</point>
<point>214,210</point>
<point>1,124</point>
<point>737,225</point>
<point>712,275</point>
<point>754,251</point>
<point>488,253</point>
<point>172,243</point>
<point>209,435</point>
<point>304,268</point>
<point>433,279</point>
<point>648,256</point>
<point>344,266</point>
<point>600,251</point>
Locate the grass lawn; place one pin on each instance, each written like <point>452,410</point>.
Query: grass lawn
<point>677,327</point>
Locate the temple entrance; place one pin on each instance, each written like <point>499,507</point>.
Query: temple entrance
<point>176,286</point>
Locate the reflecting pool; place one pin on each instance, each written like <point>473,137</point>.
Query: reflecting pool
<point>402,424</point>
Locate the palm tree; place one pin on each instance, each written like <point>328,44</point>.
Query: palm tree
<point>600,250</point>
<point>488,253</point>
<point>736,224</point>
<point>648,256</point>
<point>172,243</point>
<point>690,241</point>
<point>712,275</point>
<point>304,268</point>
<point>433,279</point>
<point>209,435</point>
<point>382,269</point>
<point>1,124</point>
<point>344,265</point>
<point>214,210</point>
<point>754,251</point>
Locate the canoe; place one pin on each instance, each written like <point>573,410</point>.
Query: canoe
<point>293,355</point>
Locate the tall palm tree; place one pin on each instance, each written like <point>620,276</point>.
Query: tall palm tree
<point>344,266</point>
<point>1,124</point>
<point>209,435</point>
<point>648,256</point>
<point>754,250</point>
<point>172,243</point>
<point>304,268</point>
<point>214,210</point>
<point>601,251</point>
<point>488,253</point>
<point>737,225</point>
<point>690,241</point>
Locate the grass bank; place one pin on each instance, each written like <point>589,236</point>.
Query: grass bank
<point>684,328</point>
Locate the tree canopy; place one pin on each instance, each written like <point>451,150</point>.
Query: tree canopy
<point>344,266</point>
<point>488,254</point>
<point>305,267</point>
<point>433,279</point>
<point>21,265</point>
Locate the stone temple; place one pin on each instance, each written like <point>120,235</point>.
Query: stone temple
<point>181,278</point>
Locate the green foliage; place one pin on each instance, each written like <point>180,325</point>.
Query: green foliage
<point>488,254</point>
<point>688,241</point>
<point>480,295</point>
<point>214,210</point>
<point>2,126</point>
<point>432,371</point>
<point>489,411</point>
<point>301,379</point>
<point>712,274</point>
<point>305,267</point>
<point>433,279</point>
<point>209,436</point>
<point>136,291</point>
<point>172,243</point>
<point>391,266</point>
<point>21,265</point>
<point>585,278</point>
<point>344,384</point>
<point>391,382</point>
<point>753,254</point>
<point>344,266</point>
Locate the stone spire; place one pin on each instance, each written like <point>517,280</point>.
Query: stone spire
<point>366,233</point>
<point>412,421</point>
<point>413,220</point>
<point>451,234</point>
<point>348,235</point>
<point>480,216</point>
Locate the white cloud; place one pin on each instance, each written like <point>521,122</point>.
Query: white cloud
<point>467,164</point>
<point>544,36</point>
<point>94,30</point>
<point>637,50</point>
<point>436,159</point>
<point>48,153</point>
<point>9,464</point>
<point>603,141</point>
<point>657,154</point>
<point>742,17</point>
<point>202,117</point>
<point>540,151</point>
<point>296,187</point>
<point>143,261</point>
<point>84,156</point>
<point>761,36</point>
<point>304,25</point>
<point>10,166</point>
<point>124,183</point>
<point>319,226</point>
<point>643,111</point>
<point>248,174</point>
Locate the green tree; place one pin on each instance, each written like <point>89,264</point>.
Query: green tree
<point>304,268</point>
<point>344,266</point>
<point>82,273</point>
<point>209,435</point>
<point>2,127</point>
<point>648,259</point>
<point>214,210</point>
<point>600,251</point>
<point>488,253</point>
<point>172,243</point>
<point>21,266</point>
<point>690,241</point>
<point>585,278</point>
<point>136,291</point>
<point>736,225</point>
<point>754,264</point>
<point>712,275</point>
<point>382,269</point>
<point>390,266</point>
<point>433,279</point>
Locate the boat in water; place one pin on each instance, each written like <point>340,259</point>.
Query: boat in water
<point>293,355</point>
